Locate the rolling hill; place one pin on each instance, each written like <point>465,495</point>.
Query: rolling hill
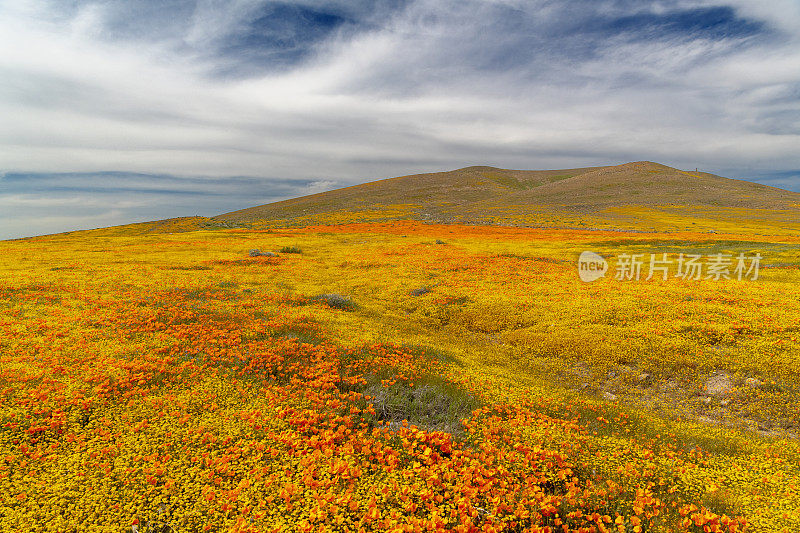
<point>412,376</point>
<point>629,195</point>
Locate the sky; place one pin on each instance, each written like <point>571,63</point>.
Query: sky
<point>113,111</point>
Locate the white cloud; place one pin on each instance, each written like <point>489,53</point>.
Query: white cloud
<point>783,14</point>
<point>441,84</point>
<point>67,202</point>
<point>114,106</point>
<point>320,186</point>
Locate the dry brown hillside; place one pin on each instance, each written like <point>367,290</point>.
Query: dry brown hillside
<point>487,194</point>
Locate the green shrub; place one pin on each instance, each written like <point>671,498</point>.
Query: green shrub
<point>432,403</point>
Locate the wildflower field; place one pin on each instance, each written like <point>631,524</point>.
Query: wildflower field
<point>397,377</point>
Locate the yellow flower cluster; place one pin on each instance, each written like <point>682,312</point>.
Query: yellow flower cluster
<point>170,380</point>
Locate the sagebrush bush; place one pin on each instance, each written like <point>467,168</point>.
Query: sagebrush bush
<point>431,403</point>
<point>337,301</point>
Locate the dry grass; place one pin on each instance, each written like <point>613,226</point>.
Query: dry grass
<point>634,196</point>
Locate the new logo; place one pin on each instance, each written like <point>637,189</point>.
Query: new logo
<point>591,266</point>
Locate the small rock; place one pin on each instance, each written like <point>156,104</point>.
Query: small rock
<point>725,402</point>
<point>608,396</point>
<point>439,241</point>
<point>707,400</point>
<point>644,376</point>
<point>719,385</point>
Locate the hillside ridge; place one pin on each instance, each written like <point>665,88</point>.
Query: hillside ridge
<point>486,194</point>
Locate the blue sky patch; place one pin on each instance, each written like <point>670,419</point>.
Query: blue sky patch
<point>713,23</point>
<point>280,36</point>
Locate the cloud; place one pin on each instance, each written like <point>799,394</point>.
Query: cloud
<point>32,204</point>
<point>789,179</point>
<point>347,91</point>
<point>320,186</point>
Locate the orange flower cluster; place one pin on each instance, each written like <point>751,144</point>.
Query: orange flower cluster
<point>295,445</point>
<point>704,520</point>
<point>198,390</point>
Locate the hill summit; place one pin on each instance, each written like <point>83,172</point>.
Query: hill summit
<point>631,194</point>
